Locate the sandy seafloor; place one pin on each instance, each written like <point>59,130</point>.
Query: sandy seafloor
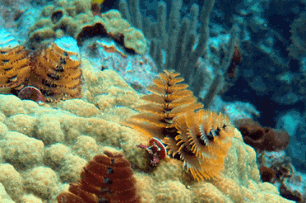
<point>44,147</point>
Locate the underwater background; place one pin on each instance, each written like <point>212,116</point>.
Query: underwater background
<point>227,101</point>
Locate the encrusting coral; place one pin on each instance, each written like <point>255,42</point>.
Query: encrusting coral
<point>107,178</point>
<point>262,138</point>
<point>199,139</point>
<point>112,24</point>
<point>75,18</point>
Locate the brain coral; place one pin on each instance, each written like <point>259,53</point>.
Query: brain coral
<point>61,139</point>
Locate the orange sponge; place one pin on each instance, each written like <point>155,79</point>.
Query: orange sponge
<point>262,138</point>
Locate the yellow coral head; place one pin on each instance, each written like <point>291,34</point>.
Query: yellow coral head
<point>98,1</point>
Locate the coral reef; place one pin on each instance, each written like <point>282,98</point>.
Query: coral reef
<point>62,14</point>
<point>295,123</point>
<point>104,53</point>
<point>177,42</point>
<point>114,104</point>
<point>280,172</point>
<point>61,138</point>
<point>112,24</point>
<point>76,19</point>
<point>107,178</point>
